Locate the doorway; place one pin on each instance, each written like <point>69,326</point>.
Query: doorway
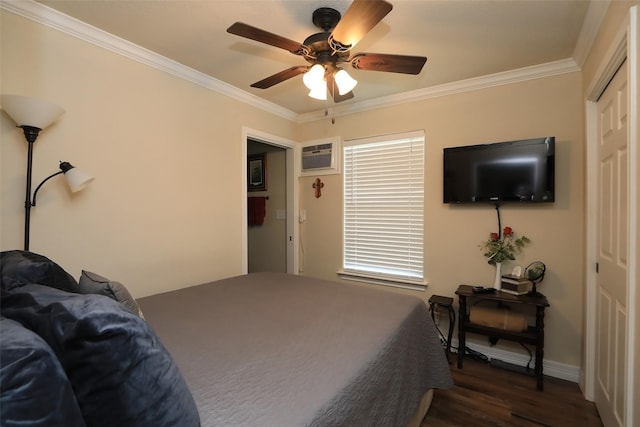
<point>266,207</point>
<point>281,205</point>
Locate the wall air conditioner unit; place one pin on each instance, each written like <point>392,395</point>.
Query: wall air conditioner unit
<point>320,157</point>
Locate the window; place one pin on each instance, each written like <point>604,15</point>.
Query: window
<point>384,210</point>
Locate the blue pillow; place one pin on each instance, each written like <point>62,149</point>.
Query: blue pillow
<point>121,373</point>
<point>92,283</point>
<point>19,268</point>
<point>34,389</point>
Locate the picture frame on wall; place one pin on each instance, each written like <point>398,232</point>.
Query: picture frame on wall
<point>257,172</point>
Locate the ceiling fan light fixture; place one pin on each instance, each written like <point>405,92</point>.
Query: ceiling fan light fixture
<point>319,92</point>
<point>326,50</point>
<point>344,81</point>
<point>314,77</point>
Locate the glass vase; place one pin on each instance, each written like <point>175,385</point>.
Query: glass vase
<point>497,283</point>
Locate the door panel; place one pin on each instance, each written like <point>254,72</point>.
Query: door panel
<point>613,232</point>
<point>604,345</point>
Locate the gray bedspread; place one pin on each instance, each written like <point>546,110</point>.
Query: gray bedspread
<point>276,350</point>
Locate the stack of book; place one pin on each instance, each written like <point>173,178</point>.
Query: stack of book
<point>516,285</point>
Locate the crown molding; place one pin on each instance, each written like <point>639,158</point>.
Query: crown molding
<point>508,77</point>
<point>49,17</point>
<point>595,14</point>
<point>52,18</point>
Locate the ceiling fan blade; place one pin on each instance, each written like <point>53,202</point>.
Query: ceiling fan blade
<point>333,90</point>
<point>253,33</point>
<point>389,63</point>
<point>280,77</point>
<point>358,20</point>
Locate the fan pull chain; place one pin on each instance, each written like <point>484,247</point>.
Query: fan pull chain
<point>333,118</point>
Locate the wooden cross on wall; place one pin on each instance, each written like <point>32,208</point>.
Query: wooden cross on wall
<point>318,186</point>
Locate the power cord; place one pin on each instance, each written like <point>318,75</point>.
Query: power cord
<point>443,340</point>
<point>530,356</point>
<point>476,355</point>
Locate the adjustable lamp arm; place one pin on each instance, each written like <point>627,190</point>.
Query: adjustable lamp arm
<point>76,180</point>
<point>35,193</point>
<point>64,168</point>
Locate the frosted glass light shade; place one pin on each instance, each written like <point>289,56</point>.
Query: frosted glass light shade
<point>314,76</point>
<point>319,92</point>
<point>345,82</point>
<point>76,179</point>
<point>27,111</point>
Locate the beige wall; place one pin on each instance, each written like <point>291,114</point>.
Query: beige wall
<point>543,107</point>
<point>165,208</point>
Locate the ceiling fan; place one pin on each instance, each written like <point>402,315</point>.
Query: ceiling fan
<point>326,50</point>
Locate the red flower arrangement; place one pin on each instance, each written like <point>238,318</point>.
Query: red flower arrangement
<point>503,248</point>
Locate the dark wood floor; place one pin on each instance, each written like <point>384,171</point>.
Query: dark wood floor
<point>488,396</point>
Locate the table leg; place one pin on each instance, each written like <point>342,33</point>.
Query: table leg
<point>452,324</point>
<point>539,347</point>
<point>462,319</point>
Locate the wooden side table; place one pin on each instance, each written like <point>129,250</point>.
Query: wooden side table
<point>534,335</point>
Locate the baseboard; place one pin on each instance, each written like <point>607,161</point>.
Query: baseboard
<point>550,367</point>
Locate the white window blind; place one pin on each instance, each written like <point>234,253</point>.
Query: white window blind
<point>384,207</point>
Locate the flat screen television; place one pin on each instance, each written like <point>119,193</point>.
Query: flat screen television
<point>513,171</point>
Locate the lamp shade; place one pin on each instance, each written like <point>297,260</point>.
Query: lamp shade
<point>319,92</point>
<point>314,76</point>
<point>76,179</point>
<point>27,111</point>
<point>345,82</point>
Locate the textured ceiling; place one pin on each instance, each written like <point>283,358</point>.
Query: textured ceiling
<point>462,39</point>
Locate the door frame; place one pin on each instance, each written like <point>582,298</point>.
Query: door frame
<point>624,46</point>
<point>292,173</point>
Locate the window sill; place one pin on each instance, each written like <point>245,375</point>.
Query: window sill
<point>396,282</point>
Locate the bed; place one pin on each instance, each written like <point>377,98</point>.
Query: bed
<point>282,350</point>
<point>264,349</point>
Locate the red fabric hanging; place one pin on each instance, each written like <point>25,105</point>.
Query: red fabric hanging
<point>256,210</point>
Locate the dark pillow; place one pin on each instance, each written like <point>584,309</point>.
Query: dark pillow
<point>19,268</point>
<point>34,389</point>
<point>121,373</point>
<point>92,283</point>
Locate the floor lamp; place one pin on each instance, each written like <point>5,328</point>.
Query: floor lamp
<point>32,115</point>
